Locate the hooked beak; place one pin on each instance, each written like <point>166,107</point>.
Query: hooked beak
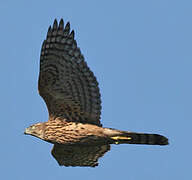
<point>26,131</point>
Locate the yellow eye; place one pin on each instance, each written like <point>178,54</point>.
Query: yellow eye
<point>33,127</point>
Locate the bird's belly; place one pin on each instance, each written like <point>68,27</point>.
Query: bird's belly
<point>76,133</point>
<point>74,139</point>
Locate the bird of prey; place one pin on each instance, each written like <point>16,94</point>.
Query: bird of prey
<point>71,93</point>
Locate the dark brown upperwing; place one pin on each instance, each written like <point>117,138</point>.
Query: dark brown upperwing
<point>79,155</point>
<point>66,83</point>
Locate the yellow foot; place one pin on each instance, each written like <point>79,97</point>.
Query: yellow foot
<point>120,138</point>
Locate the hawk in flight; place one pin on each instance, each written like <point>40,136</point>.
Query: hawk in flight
<point>71,93</point>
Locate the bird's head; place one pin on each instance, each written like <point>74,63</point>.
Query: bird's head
<point>36,130</point>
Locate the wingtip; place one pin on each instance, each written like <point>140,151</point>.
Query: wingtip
<point>72,34</point>
<point>49,31</point>
<point>61,24</point>
<point>67,26</point>
<point>55,24</point>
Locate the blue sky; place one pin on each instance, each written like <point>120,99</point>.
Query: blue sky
<point>141,54</point>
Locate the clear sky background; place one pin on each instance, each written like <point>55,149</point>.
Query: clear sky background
<point>141,54</point>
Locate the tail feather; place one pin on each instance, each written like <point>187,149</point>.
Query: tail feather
<point>140,138</point>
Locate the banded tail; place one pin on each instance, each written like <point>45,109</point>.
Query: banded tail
<point>139,138</point>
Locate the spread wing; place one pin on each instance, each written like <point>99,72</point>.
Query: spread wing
<point>79,155</point>
<point>66,83</point>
